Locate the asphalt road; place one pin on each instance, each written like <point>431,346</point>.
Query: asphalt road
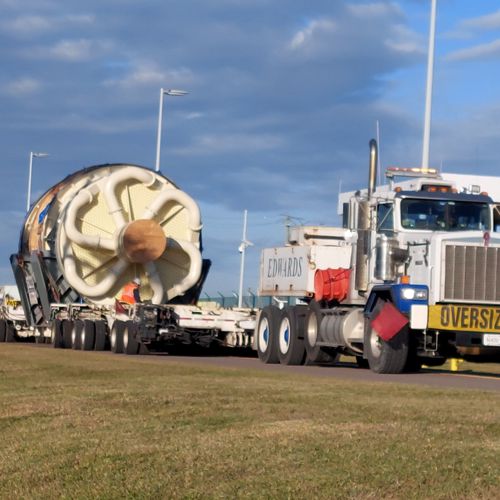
<point>347,371</point>
<point>483,381</point>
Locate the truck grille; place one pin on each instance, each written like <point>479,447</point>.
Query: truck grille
<point>472,273</point>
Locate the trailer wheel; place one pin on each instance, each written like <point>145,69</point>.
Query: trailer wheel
<point>10,333</point>
<point>116,336</point>
<point>291,350</point>
<point>56,334</point>
<point>87,335</point>
<point>67,328</point>
<point>3,330</point>
<point>100,336</point>
<point>130,344</point>
<point>386,356</point>
<point>76,334</point>
<point>362,362</point>
<point>315,353</point>
<point>267,335</point>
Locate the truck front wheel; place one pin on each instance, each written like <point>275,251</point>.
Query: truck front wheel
<point>386,356</point>
<point>267,335</point>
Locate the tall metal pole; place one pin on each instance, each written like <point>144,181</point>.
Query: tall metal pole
<point>32,155</point>
<point>171,92</point>
<point>243,247</point>
<point>428,91</point>
<point>158,137</point>
<point>28,198</point>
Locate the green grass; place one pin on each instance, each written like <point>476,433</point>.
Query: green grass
<point>86,425</point>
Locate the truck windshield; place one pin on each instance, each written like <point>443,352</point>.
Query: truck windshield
<point>444,215</point>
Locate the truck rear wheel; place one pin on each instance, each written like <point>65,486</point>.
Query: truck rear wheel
<point>76,334</point>
<point>386,356</point>
<point>87,335</point>
<point>116,336</point>
<point>315,353</point>
<point>100,336</point>
<point>130,344</point>
<point>3,330</point>
<point>291,350</point>
<point>267,335</point>
<point>56,334</point>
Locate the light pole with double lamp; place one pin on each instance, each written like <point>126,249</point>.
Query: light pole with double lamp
<point>170,92</point>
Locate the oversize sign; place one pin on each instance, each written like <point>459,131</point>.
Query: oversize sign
<point>464,318</point>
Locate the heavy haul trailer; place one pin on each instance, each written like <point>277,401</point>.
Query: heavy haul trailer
<point>96,231</point>
<point>412,278</point>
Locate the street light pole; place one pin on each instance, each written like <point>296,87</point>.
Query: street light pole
<point>32,155</point>
<point>428,91</point>
<point>171,92</point>
<point>243,246</point>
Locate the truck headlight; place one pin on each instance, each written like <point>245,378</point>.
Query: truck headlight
<point>408,293</point>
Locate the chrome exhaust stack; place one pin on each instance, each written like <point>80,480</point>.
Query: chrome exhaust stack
<point>365,224</point>
<point>372,172</point>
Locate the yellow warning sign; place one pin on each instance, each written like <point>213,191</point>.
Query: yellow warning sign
<point>465,318</point>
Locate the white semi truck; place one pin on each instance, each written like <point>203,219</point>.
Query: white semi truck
<point>13,323</point>
<point>99,229</point>
<point>412,277</point>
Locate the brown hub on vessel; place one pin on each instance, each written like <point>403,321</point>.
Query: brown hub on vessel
<point>143,241</point>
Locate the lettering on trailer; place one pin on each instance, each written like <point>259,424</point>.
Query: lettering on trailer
<point>464,318</point>
<point>285,267</point>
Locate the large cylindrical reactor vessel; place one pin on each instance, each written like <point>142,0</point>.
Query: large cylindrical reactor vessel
<point>100,228</point>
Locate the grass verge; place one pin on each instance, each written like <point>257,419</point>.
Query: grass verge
<point>82,425</point>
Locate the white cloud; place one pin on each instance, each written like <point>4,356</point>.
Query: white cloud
<point>489,21</point>
<point>147,74</point>
<point>102,125</point>
<point>22,86</point>
<point>491,49</point>
<point>79,50</point>
<point>72,50</point>
<point>31,25</point>
<point>314,28</point>
<point>232,143</point>
<point>405,41</point>
<point>374,9</point>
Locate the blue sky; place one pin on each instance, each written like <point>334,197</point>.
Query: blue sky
<point>284,97</point>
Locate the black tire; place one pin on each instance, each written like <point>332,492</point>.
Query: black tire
<point>56,334</point>
<point>10,333</point>
<point>3,330</point>
<point>386,356</point>
<point>130,343</point>
<point>87,335</point>
<point>362,362</point>
<point>116,336</point>
<point>100,336</point>
<point>433,361</point>
<point>76,334</point>
<point>291,349</point>
<point>67,328</point>
<point>316,354</point>
<point>39,337</point>
<point>267,335</point>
